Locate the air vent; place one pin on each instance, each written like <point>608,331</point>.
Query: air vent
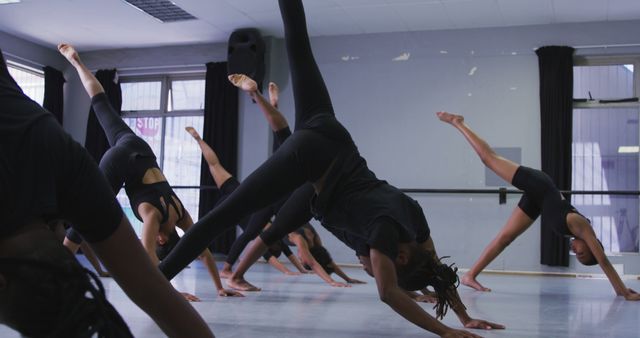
<point>163,10</point>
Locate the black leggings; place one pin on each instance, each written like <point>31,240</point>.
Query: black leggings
<point>303,157</point>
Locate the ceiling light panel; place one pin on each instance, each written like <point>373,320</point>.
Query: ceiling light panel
<point>163,10</point>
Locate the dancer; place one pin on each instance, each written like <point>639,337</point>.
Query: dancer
<point>315,256</point>
<point>131,162</point>
<point>226,184</point>
<point>44,174</point>
<point>540,197</point>
<point>346,195</point>
<point>252,226</point>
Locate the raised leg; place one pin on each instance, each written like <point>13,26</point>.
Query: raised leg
<point>517,223</point>
<point>274,117</point>
<point>499,165</point>
<point>219,173</point>
<point>293,214</point>
<point>113,126</point>
<point>309,90</point>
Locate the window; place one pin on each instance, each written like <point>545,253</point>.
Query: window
<point>158,109</point>
<point>29,79</point>
<point>606,140</point>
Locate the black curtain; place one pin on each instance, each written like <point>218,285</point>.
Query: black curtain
<point>221,133</point>
<point>53,92</point>
<point>96,142</point>
<point>556,117</point>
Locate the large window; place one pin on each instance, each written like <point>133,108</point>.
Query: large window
<point>29,79</point>
<point>606,141</point>
<point>158,109</point>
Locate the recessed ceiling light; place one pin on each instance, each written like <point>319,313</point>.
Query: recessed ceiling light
<point>163,10</point>
<point>628,149</point>
<point>4,2</point>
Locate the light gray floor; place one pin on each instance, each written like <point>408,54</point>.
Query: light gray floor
<point>303,306</point>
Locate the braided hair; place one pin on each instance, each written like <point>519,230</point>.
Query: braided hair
<point>425,269</point>
<point>56,299</point>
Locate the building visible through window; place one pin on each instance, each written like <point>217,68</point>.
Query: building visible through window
<point>30,80</point>
<point>158,109</point>
<point>605,149</point>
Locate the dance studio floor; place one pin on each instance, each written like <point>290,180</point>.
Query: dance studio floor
<point>303,306</point>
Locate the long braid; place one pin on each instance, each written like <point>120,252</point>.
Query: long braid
<point>445,281</point>
<point>429,270</point>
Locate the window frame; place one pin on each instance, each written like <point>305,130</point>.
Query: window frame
<point>17,64</point>
<point>610,60</point>
<point>165,90</point>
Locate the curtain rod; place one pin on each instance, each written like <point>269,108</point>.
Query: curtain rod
<point>194,67</point>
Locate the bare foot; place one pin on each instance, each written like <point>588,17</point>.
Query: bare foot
<point>225,273</point>
<point>274,93</point>
<point>473,283</point>
<point>450,118</point>
<point>241,284</point>
<point>244,82</point>
<point>193,133</point>
<point>69,53</point>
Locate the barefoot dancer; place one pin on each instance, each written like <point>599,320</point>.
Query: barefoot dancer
<point>44,174</point>
<point>540,197</point>
<point>226,183</point>
<point>315,256</point>
<point>131,162</point>
<point>347,195</point>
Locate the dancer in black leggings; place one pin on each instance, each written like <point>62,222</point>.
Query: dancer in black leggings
<point>540,197</point>
<point>45,175</point>
<point>309,247</point>
<point>347,195</point>
<point>131,162</point>
<point>227,184</point>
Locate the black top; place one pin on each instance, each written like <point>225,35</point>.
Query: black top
<point>159,194</point>
<point>353,199</point>
<point>542,197</point>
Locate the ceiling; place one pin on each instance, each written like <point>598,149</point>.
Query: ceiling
<point>107,24</point>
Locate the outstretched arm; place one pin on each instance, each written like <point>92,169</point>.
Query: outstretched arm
<point>91,257</point>
<point>90,83</point>
<point>390,293</point>
<point>344,276</point>
<point>273,261</point>
<point>584,231</point>
<point>457,306</point>
<point>307,258</point>
<point>294,260</point>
